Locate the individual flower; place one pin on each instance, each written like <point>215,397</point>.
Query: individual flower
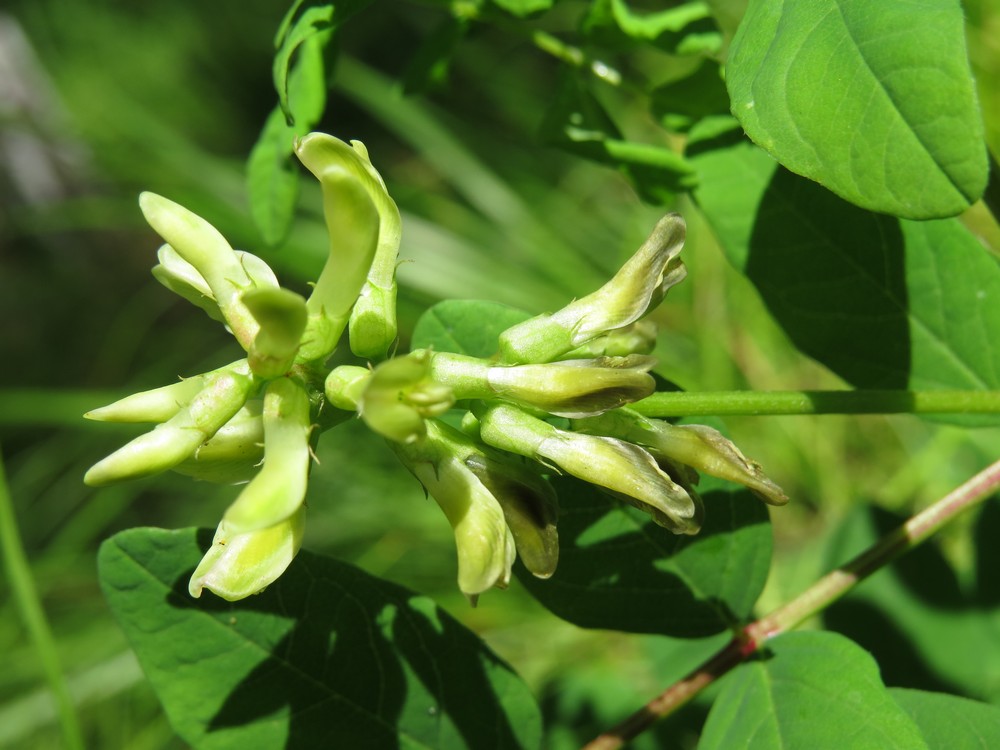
<point>239,565</point>
<point>222,394</point>
<point>698,446</point>
<point>570,388</point>
<point>615,465</point>
<point>358,285</point>
<point>395,398</point>
<point>485,544</point>
<point>637,288</point>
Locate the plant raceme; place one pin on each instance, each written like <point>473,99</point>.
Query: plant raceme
<point>553,399</point>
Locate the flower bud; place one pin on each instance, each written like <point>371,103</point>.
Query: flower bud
<point>281,317</point>
<point>280,487</point>
<point>637,288</point>
<point>201,245</point>
<point>578,387</point>
<point>615,465</point>
<point>485,544</point>
<point>233,455</point>
<point>571,388</point>
<point>239,565</point>
<point>698,446</point>
<point>180,277</point>
<point>154,406</point>
<point>223,394</point>
<point>529,507</point>
<point>345,384</point>
<point>400,395</point>
<point>356,207</point>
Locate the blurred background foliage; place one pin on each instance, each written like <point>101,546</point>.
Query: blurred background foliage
<point>100,99</point>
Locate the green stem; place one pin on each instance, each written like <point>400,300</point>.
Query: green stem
<point>816,598</point>
<point>771,403</point>
<point>23,587</point>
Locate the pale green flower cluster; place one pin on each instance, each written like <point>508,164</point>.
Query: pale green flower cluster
<point>552,400</point>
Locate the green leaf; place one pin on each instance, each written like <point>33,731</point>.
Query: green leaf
<point>914,616</point>
<point>618,570</point>
<point>577,123</point>
<point>884,303</point>
<point>810,690</point>
<point>681,103</point>
<point>873,100</point>
<point>465,326</point>
<point>327,654</point>
<point>303,22</point>
<point>272,172</point>
<point>950,721</point>
<point>689,26</point>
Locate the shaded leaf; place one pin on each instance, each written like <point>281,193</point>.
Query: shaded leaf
<point>914,616</point>
<point>679,104</point>
<point>950,721</point>
<point>873,100</point>
<point>327,654</point>
<point>429,67</point>
<point>883,302</point>
<point>465,326</point>
<point>619,570</point>
<point>810,690</point>
<point>272,172</point>
<point>304,21</point>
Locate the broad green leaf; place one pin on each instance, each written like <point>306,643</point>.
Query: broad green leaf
<point>809,690</point>
<point>465,326</point>
<point>947,721</point>
<point>620,571</point>
<point>326,656</point>
<point>874,100</point>
<point>272,173</point>
<point>883,302</point>
<point>914,616</point>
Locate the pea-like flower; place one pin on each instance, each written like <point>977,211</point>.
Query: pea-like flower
<point>636,289</point>
<point>616,465</point>
<point>569,388</point>
<point>698,446</point>
<point>496,507</point>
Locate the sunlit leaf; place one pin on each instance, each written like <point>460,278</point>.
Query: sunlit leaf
<point>814,690</point>
<point>465,326</point>
<point>951,721</point>
<point>873,100</point>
